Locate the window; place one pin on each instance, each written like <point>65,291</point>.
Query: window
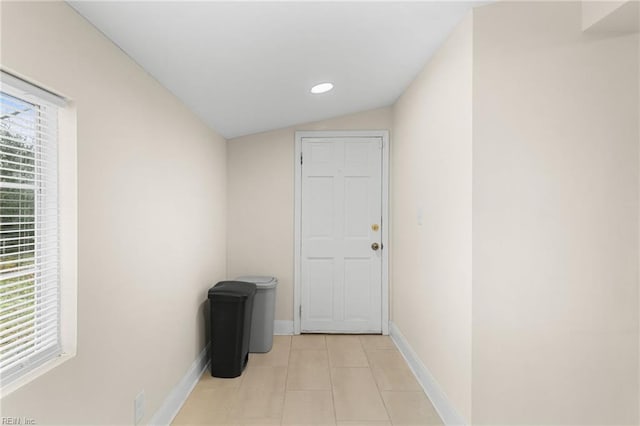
<point>30,290</point>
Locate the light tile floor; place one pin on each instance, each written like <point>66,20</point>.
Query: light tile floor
<point>315,380</point>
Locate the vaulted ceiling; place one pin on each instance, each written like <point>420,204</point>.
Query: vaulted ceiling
<point>247,67</point>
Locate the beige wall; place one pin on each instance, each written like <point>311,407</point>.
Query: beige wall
<point>431,262</point>
<point>595,11</point>
<point>555,219</point>
<point>152,185</point>
<point>611,16</point>
<point>260,223</point>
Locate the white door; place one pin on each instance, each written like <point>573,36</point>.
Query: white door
<point>341,213</point>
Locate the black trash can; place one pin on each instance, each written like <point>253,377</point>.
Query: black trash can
<point>230,310</point>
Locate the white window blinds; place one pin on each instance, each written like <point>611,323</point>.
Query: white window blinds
<point>29,269</point>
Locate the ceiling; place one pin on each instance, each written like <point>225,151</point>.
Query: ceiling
<point>247,67</point>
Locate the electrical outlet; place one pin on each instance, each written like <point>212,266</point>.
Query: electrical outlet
<point>138,407</point>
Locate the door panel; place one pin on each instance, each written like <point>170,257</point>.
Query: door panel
<point>357,295</point>
<point>341,284</point>
<point>319,272</point>
<point>321,207</point>
<point>356,207</point>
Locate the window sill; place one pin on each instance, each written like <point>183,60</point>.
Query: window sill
<point>35,373</point>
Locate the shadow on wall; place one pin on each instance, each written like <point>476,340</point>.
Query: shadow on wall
<point>203,313</point>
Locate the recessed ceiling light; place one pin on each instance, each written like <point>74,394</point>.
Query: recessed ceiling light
<point>321,88</point>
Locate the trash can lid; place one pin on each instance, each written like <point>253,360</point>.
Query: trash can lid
<point>232,289</point>
<point>260,281</point>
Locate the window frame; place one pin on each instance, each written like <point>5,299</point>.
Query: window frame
<point>67,223</point>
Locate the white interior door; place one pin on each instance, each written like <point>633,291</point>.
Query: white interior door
<point>341,213</point>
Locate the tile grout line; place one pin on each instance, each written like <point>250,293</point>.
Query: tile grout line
<point>384,404</point>
<point>333,395</point>
<point>286,379</point>
<point>236,398</point>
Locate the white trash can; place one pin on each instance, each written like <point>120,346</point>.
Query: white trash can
<point>264,306</point>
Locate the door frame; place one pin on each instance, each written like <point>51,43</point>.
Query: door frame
<point>297,279</point>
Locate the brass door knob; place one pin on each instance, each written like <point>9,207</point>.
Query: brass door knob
<point>375,246</point>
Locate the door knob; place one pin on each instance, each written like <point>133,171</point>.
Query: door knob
<point>375,246</point>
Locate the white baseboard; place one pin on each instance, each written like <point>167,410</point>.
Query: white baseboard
<point>282,328</point>
<point>179,394</point>
<point>441,403</point>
